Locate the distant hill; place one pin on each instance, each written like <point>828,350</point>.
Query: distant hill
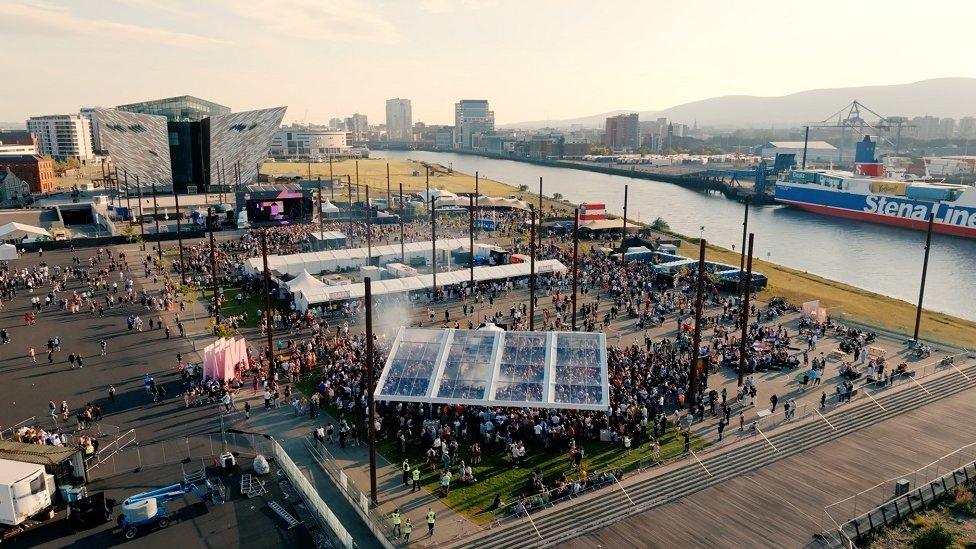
<point>942,97</point>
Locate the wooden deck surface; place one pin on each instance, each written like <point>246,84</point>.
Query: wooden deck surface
<point>782,505</point>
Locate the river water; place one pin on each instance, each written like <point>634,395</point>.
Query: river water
<point>887,260</point>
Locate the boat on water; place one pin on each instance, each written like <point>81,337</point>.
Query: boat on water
<point>870,194</point>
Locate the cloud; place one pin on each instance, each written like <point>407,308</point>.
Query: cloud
<point>448,6</point>
<point>65,21</point>
<point>324,20</point>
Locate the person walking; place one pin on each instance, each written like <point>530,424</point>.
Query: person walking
<point>103,346</point>
<point>823,400</point>
<point>395,517</point>
<point>247,410</point>
<point>721,428</point>
<point>416,479</point>
<point>431,519</point>
<point>406,472</point>
<point>30,354</point>
<point>407,528</point>
<point>773,400</point>
<point>81,363</point>
<point>111,393</point>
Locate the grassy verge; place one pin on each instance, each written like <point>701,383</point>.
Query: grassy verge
<point>949,525</point>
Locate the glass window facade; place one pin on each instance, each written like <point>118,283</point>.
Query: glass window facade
<point>492,368</point>
<point>184,108</point>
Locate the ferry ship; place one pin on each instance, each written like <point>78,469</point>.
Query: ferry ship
<point>868,194</point>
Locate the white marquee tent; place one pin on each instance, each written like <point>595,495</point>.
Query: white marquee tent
<point>329,294</point>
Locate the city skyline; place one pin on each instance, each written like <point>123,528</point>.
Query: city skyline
<point>538,61</point>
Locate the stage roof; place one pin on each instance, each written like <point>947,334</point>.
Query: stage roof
<point>566,370</point>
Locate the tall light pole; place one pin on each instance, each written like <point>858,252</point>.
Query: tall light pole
<point>433,246</point>
<point>371,387</point>
<point>369,230</point>
<point>211,221</point>
<point>267,301</point>
<point>321,214</point>
<point>142,216</point>
<point>925,270</point>
<point>696,338</point>
<point>747,292</point>
<point>349,189</point>
<point>159,242</point>
<point>531,268</point>
<point>179,235</point>
<point>745,228</point>
<point>403,255</point>
<point>388,203</point>
<point>623,238</point>
<point>471,238</point>
<point>575,261</point>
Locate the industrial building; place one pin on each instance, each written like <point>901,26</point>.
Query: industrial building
<point>623,132</point>
<point>816,151</point>
<point>308,142</point>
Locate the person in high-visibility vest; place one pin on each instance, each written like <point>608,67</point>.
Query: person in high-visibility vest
<point>395,515</point>
<point>407,528</point>
<point>431,518</point>
<point>416,479</point>
<point>406,473</point>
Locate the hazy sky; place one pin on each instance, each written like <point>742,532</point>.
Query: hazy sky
<point>533,59</point>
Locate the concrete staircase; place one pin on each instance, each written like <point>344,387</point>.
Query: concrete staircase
<point>568,521</point>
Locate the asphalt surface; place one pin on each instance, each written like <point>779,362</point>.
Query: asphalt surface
<point>26,388</point>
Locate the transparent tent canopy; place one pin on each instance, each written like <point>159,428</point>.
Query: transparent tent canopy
<point>521,369</point>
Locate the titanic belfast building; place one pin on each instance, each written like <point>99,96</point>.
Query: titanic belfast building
<point>185,142</point>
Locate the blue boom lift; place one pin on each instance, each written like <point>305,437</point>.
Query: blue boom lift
<point>131,527</point>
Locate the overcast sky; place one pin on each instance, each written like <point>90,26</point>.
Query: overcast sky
<point>533,59</point>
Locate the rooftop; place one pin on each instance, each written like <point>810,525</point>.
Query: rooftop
<point>799,145</point>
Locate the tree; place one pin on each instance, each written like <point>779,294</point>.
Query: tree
<point>65,164</point>
<point>557,196</point>
<point>660,225</point>
<point>523,188</point>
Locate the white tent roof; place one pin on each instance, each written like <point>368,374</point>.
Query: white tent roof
<point>304,283</point>
<point>328,294</point>
<point>328,206</point>
<point>14,230</point>
<point>8,251</point>
<point>330,260</point>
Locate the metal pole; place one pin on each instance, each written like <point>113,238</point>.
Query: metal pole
<point>128,205</point>
<point>179,235</point>
<point>742,260</point>
<point>806,140</point>
<point>357,180</point>
<point>403,254</point>
<point>349,213</point>
<point>532,268</point>
<point>211,221</point>
<point>371,386</point>
<point>321,215</point>
<point>477,196</point>
<point>433,246</point>
<point>388,203</point>
<point>925,269</point>
<point>471,238</point>
<point>267,300</point>
<point>331,179</point>
<point>696,338</point>
<point>623,238</point>
<point>142,220</point>
<point>575,261</point>
<point>369,230</point>
<point>159,243</point>
<point>427,186</point>
<point>747,289</point>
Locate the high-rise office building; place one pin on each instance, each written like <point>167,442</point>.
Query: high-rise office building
<point>63,136</point>
<point>357,126</point>
<point>623,132</point>
<point>471,117</point>
<point>399,120</point>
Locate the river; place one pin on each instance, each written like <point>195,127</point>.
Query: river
<point>886,260</point>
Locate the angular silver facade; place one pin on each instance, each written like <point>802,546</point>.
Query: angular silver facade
<point>244,139</point>
<point>138,144</point>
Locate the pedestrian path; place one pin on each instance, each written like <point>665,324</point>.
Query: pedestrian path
<point>292,432</point>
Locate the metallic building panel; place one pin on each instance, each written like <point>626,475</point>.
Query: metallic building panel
<point>137,144</point>
<point>242,138</point>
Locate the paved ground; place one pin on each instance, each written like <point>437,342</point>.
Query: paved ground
<point>238,522</point>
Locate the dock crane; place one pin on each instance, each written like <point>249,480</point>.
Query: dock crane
<point>856,123</point>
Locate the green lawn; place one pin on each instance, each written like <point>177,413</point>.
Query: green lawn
<point>495,474</point>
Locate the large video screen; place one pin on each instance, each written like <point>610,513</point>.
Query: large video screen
<point>283,209</point>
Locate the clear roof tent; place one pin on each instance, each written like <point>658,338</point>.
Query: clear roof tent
<point>497,368</point>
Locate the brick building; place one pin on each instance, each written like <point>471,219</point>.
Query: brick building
<point>36,170</point>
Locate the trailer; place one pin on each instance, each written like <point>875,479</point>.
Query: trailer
<point>25,491</point>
